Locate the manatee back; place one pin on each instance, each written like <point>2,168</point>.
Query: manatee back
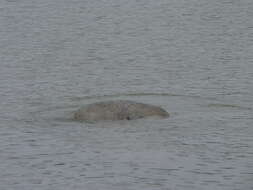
<point>117,110</point>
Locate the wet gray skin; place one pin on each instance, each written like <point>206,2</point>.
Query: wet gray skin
<point>118,110</point>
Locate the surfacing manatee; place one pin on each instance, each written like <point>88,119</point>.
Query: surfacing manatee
<point>118,110</point>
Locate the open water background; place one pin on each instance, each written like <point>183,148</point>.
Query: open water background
<point>192,57</point>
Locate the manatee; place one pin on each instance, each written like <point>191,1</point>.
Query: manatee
<point>118,110</point>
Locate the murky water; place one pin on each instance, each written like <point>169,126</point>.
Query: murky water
<point>192,57</point>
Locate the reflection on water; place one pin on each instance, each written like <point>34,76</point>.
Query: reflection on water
<point>193,58</point>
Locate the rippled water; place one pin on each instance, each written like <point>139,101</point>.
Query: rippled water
<point>192,57</point>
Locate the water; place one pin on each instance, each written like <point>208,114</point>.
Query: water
<point>194,58</point>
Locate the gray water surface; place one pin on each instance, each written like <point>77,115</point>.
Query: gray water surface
<point>194,58</point>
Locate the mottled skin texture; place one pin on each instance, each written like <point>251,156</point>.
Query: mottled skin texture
<point>118,110</point>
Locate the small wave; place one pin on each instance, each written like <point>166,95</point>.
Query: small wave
<point>228,106</point>
<point>132,94</point>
